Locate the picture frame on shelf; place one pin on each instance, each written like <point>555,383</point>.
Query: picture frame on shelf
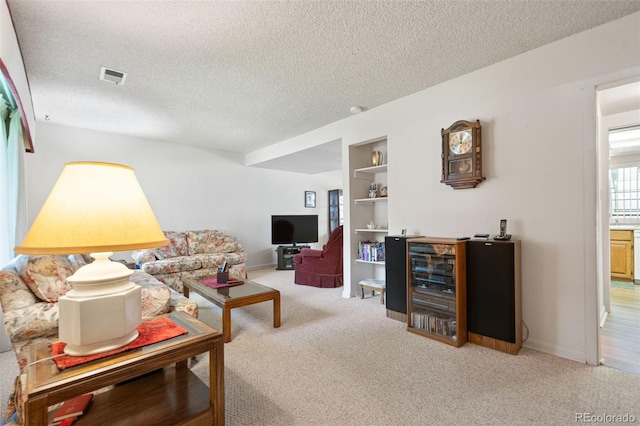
<point>310,199</point>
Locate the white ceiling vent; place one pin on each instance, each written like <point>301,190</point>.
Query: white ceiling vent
<point>112,76</point>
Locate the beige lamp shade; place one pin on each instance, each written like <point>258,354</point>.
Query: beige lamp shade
<point>94,207</point>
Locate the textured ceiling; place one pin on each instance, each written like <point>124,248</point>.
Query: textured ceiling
<point>241,75</point>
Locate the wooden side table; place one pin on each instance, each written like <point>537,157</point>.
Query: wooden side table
<point>373,285</point>
<point>145,380</point>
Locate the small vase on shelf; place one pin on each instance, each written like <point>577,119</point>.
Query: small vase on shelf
<point>376,158</point>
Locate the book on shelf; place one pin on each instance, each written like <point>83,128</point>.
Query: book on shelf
<point>371,251</point>
<point>71,409</point>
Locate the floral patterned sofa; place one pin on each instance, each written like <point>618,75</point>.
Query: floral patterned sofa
<point>192,254</point>
<point>29,291</point>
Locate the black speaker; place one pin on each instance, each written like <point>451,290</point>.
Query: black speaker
<point>396,272</point>
<point>493,294</point>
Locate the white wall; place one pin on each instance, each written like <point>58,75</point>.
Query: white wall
<point>538,113</point>
<point>187,187</point>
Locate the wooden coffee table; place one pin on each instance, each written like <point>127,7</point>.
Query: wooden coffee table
<point>228,298</point>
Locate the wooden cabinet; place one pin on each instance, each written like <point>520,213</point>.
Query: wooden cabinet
<point>622,254</point>
<point>436,289</point>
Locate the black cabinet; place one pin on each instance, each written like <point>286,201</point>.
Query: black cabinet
<point>494,313</point>
<point>285,256</point>
<point>396,275</point>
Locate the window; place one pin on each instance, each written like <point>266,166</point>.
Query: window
<point>625,196</point>
<point>624,170</point>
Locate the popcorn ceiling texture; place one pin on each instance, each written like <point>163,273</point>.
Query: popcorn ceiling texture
<point>242,75</point>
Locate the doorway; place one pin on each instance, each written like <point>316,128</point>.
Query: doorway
<point>619,133</point>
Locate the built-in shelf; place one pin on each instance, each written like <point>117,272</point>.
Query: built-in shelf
<point>369,200</point>
<point>368,172</point>
<point>366,261</point>
<point>367,243</point>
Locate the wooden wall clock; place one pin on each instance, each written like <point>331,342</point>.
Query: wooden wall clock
<point>462,155</point>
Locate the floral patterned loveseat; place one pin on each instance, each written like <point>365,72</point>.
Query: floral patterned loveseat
<point>29,291</point>
<point>193,254</point>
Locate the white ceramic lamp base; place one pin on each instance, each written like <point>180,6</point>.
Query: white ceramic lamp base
<point>103,309</point>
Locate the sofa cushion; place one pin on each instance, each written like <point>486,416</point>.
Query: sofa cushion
<point>156,298</point>
<point>238,271</point>
<point>172,264</point>
<point>46,276</point>
<point>215,260</point>
<point>14,293</point>
<point>37,320</point>
<point>177,245</point>
<point>181,303</point>
<point>212,241</point>
<point>144,256</point>
<point>160,254</point>
<point>172,280</point>
<point>209,260</point>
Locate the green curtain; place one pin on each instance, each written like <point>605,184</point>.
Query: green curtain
<point>11,137</point>
<point>6,249</point>
<point>5,224</point>
<point>14,154</point>
<point>12,203</point>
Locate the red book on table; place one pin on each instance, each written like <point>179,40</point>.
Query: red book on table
<point>73,407</point>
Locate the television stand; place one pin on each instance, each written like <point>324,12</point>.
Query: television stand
<point>285,256</point>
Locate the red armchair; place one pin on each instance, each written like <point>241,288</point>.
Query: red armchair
<point>321,268</point>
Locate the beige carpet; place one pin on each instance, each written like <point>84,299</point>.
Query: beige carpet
<point>337,361</point>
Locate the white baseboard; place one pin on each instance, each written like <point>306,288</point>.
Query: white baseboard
<point>560,351</point>
<point>255,267</point>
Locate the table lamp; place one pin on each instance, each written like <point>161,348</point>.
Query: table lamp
<point>96,208</point>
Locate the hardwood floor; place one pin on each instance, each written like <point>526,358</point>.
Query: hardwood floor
<point>620,335</point>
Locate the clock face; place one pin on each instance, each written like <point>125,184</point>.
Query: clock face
<point>460,142</point>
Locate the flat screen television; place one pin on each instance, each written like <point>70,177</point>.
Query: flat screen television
<point>293,229</point>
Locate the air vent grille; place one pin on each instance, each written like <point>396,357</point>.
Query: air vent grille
<point>112,76</point>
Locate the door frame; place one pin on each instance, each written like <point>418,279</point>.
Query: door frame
<point>598,299</point>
